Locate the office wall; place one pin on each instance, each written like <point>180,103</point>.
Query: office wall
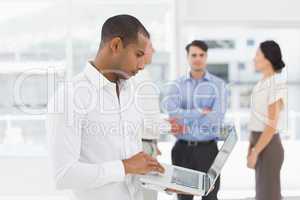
<point>26,176</point>
<point>237,10</point>
<point>251,15</point>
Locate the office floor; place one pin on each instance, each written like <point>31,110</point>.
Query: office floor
<point>237,195</point>
<point>168,197</point>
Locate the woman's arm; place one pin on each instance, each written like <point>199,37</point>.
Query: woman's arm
<point>267,135</point>
<point>273,115</point>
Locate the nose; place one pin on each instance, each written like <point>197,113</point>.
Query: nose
<point>141,64</point>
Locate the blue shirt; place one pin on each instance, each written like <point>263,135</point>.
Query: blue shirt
<point>185,99</point>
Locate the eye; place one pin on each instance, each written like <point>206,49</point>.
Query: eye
<point>194,55</point>
<point>139,55</point>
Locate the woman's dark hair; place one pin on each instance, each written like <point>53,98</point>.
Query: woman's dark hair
<point>272,52</point>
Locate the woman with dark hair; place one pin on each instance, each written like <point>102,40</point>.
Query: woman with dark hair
<point>268,106</point>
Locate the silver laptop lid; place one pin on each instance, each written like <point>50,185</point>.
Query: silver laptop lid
<point>230,136</point>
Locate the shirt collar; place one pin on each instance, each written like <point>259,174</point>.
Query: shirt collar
<point>100,81</point>
<point>95,77</point>
<point>207,76</point>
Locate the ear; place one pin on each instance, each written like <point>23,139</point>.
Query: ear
<point>116,45</point>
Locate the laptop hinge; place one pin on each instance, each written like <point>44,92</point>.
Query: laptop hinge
<point>206,183</point>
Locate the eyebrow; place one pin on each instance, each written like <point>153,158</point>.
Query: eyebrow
<point>193,54</point>
<point>141,51</point>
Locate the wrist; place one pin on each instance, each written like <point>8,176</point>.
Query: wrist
<point>126,167</point>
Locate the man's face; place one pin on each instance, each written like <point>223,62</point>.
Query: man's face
<point>132,58</point>
<point>197,58</point>
<point>149,53</point>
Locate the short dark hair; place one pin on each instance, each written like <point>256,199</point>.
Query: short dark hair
<point>272,52</point>
<point>126,27</point>
<point>197,43</point>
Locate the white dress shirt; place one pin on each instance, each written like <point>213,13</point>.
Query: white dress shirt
<point>90,132</point>
<point>265,93</point>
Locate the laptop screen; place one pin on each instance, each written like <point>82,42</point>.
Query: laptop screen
<point>226,149</point>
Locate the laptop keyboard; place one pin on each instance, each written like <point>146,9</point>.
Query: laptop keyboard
<point>185,178</point>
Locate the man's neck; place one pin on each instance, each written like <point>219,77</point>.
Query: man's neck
<point>197,74</point>
<point>105,68</point>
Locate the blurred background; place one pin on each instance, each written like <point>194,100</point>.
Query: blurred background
<point>57,37</point>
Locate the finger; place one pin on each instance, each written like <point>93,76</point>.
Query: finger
<point>175,127</point>
<point>173,119</point>
<point>176,191</point>
<point>149,158</point>
<point>151,168</point>
<point>175,133</point>
<point>161,168</point>
<point>158,151</point>
<point>143,157</point>
<point>152,163</point>
<point>170,190</point>
<point>184,129</point>
<point>170,120</point>
<point>142,153</point>
<point>157,168</point>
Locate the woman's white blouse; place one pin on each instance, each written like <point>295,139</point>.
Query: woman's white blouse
<point>265,93</point>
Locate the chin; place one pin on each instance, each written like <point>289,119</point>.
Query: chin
<point>257,68</point>
<point>129,75</point>
<point>125,76</point>
<point>198,69</point>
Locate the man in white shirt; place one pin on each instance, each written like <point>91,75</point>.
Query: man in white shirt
<point>93,121</point>
<point>148,101</point>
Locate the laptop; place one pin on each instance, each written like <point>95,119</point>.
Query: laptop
<point>192,181</point>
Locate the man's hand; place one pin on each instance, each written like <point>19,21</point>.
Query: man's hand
<point>176,128</point>
<point>142,163</point>
<point>168,190</point>
<point>158,152</point>
<point>205,111</point>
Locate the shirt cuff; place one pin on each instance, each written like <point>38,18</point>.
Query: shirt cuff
<point>116,170</point>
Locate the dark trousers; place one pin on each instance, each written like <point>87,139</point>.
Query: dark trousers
<point>198,157</point>
<point>268,167</point>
